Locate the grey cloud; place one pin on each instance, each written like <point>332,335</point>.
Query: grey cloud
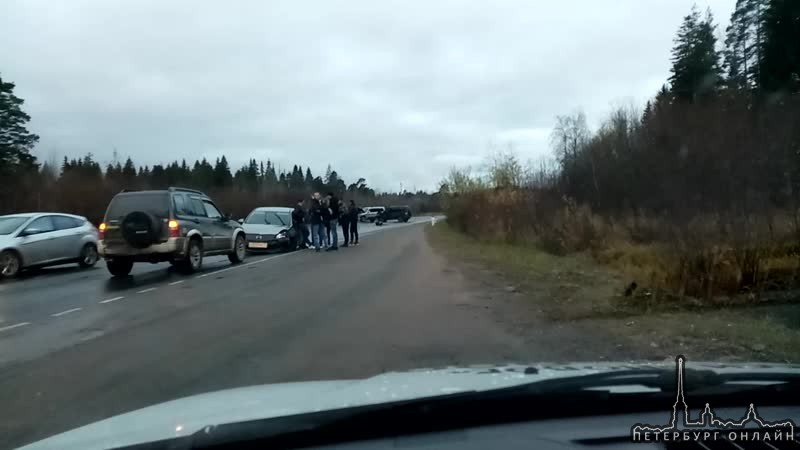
<point>394,91</point>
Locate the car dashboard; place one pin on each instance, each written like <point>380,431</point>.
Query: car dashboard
<point>590,433</point>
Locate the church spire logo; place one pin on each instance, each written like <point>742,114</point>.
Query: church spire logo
<point>709,427</point>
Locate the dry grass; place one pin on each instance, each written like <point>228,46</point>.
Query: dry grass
<point>711,257</point>
<point>575,288</point>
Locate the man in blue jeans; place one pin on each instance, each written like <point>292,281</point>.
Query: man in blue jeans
<point>333,204</point>
<point>318,234</point>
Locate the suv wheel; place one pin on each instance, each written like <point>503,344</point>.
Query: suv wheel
<point>9,264</point>
<point>194,257</point>
<point>119,267</point>
<point>88,256</point>
<point>239,250</point>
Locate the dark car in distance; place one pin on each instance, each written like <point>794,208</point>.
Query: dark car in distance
<point>398,213</point>
<point>177,225</point>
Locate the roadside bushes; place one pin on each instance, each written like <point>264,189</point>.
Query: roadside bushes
<point>713,257</point>
<point>695,198</point>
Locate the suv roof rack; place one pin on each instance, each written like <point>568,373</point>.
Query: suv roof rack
<point>194,191</point>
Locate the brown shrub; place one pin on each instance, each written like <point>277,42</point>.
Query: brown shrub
<point>708,256</point>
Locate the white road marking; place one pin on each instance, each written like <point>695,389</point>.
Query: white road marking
<point>17,325</point>
<point>240,265</point>
<point>263,259</point>
<point>144,291</point>
<point>214,272</point>
<point>64,313</point>
<point>176,282</point>
<point>111,300</point>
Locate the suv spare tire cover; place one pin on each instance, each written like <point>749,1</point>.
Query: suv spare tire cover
<point>140,229</point>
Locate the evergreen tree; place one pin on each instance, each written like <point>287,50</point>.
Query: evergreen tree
<point>222,173</point>
<point>128,177</point>
<point>202,174</point>
<point>744,44</point>
<point>695,62</point>
<point>309,181</point>
<point>158,177</point>
<point>296,181</point>
<point>18,168</point>
<point>780,63</point>
<point>270,178</point>
<point>16,141</point>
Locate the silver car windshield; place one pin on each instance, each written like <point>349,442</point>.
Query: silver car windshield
<point>9,224</point>
<point>268,218</point>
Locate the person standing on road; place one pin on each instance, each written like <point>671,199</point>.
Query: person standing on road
<point>326,220</point>
<point>333,201</point>
<point>299,226</point>
<point>344,221</point>
<point>317,223</point>
<point>353,218</point>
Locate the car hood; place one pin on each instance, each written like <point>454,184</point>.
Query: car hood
<point>187,415</point>
<point>262,229</point>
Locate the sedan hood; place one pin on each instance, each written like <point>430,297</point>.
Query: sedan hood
<point>251,228</point>
<point>188,415</point>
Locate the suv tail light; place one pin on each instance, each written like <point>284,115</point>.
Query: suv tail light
<point>102,230</point>
<point>174,228</point>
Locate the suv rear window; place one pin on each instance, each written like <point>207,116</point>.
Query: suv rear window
<point>156,203</point>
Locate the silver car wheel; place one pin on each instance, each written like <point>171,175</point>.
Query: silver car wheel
<point>9,264</point>
<point>90,255</point>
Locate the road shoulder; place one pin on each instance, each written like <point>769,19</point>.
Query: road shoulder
<point>579,307</point>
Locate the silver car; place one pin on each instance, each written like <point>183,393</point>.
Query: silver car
<point>269,228</point>
<point>45,239</point>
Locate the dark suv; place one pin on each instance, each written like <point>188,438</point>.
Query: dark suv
<point>176,225</point>
<point>398,213</point>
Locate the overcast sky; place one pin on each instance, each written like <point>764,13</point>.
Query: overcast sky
<point>393,91</point>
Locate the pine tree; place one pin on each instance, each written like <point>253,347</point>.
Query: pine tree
<point>328,172</point>
<point>128,174</point>
<point>780,63</point>
<point>16,142</point>
<point>270,178</point>
<point>744,44</point>
<point>695,61</point>
<point>222,173</point>
<point>309,181</point>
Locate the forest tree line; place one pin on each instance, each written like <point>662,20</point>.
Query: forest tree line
<point>697,191</point>
<point>80,185</point>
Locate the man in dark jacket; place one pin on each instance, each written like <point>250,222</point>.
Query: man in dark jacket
<point>317,222</point>
<point>333,203</point>
<point>344,221</point>
<point>299,226</point>
<point>353,217</point>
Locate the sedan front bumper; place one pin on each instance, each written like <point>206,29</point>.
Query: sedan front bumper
<point>266,245</point>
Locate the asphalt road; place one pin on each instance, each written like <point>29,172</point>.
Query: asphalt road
<point>77,346</point>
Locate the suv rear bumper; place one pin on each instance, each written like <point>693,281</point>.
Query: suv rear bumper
<point>174,248</point>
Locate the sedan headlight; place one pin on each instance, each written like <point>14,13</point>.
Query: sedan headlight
<point>281,235</point>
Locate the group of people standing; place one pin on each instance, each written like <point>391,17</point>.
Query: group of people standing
<point>325,215</point>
